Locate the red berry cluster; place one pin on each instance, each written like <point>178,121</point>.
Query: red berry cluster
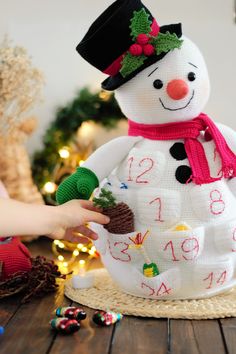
<point>142,46</point>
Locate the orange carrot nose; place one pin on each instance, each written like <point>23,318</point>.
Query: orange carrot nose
<point>177,89</point>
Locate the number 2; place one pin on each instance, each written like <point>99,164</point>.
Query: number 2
<point>140,178</point>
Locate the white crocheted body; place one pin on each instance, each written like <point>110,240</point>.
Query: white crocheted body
<point>194,263</point>
<point>198,261</point>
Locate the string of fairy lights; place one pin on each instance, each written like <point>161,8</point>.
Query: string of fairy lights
<point>75,250</point>
<point>51,187</point>
<point>66,145</point>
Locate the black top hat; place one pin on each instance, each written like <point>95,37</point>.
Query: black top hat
<point>125,39</point>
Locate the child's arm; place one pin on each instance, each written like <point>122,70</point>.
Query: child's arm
<point>18,218</point>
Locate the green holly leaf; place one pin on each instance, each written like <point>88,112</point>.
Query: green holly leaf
<point>131,63</point>
<point>140,23</point>
<point>165,42</point>
<point>105,199</point>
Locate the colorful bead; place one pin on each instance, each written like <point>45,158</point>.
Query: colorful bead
<point>72,312</point>
<point>142,39</point>
<point>150,270</point>
<point>65,325</point>
<point>148,50</point>
<point>136,50</point>
<point>103,318</point>
<point>1,330</point>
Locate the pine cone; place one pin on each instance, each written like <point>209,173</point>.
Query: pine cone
<point>121,219</point>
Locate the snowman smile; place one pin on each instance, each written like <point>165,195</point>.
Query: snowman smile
<point>177,109</point>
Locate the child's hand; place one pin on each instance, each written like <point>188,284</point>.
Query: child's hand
<point>73,215</point>
<point>80,234</point>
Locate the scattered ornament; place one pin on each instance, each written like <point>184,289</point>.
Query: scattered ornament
<point>74,313</point>
<point>103,318</point>
<point>120,214</point>
<point>65,325</point>
<point>150,269</point>
<point>1,330</point>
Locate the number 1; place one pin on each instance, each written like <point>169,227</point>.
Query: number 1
<point>159,210</point>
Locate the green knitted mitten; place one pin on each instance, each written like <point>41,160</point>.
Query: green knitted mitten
<point>80,185</point>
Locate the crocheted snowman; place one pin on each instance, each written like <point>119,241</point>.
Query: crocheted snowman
<point>175,170</point>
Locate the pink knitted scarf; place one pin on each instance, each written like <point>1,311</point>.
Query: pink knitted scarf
<point>189,131</point>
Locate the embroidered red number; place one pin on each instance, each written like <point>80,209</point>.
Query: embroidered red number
<point>190,245</point>
<point>220,281</point>
<point>234,239</point>
<point>143,285</point>
<point>131,160</point>
<point>146,162</point>
<point>159,209</point>
<point>222,278</point>
<point>217,205</point>
<point>120,251</point>
<point>150,165</point>
<point>170,243</point>
<point>162,290</point>
<point>210,277</point>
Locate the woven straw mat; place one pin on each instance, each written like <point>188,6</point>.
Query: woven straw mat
<point>105,295</point>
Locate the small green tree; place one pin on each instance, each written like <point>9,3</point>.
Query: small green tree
<point>105,199</point>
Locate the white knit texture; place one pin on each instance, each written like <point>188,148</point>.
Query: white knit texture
<point>194,263</point>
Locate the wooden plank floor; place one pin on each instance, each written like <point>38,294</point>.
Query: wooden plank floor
<point>27,330</point>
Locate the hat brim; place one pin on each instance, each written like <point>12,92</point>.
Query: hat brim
<point>113,82</point>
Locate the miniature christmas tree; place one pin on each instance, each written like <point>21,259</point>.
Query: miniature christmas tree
<point>120,214</point>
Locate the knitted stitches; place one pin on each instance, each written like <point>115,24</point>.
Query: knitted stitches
<point>140,23</point>
<point>79,185</point>
<point>121,216</point>
<point>190,130</point>
<point>121,219</point>
<point>14,256</point>
<point>158,42</point>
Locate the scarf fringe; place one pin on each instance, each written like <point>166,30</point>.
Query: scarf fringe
<point>228,171</point>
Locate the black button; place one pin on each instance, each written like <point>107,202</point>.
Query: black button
<point>183,174</point>
<point>158,84</point>
<point>178,152</point>
<point>192,76</point>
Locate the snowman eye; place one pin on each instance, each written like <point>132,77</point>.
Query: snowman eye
<point>158,84</point>
<point>191,76</point>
